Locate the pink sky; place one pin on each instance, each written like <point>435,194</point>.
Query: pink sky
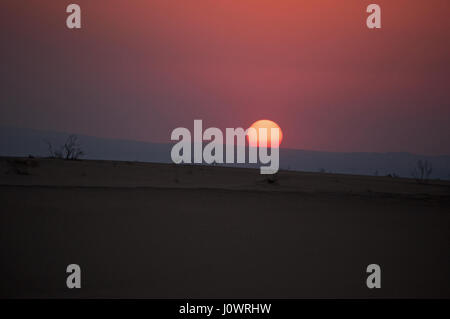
<point>138,69</point>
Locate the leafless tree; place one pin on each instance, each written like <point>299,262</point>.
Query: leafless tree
<point>71,150</point>
<point>54,153</point>
<point>422,172</point>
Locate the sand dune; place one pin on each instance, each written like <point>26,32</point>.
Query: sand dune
<point>161,230</point>
<point>50,172</point>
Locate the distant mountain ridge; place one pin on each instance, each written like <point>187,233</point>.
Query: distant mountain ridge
<point>24,142</point>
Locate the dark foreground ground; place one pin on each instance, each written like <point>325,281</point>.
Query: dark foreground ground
<point>170,235</point>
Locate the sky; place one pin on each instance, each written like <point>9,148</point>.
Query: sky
<point>139,69</point>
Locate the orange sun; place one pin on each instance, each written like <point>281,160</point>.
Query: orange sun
<point>257,140</point>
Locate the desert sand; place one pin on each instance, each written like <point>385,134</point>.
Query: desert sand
<point>146,230</point>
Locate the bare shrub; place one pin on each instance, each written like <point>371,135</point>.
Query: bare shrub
<point>272,179</point>
<point>70,150</point>
<point>54,153</point>
<point>22,166</point>
<point>422,171</point>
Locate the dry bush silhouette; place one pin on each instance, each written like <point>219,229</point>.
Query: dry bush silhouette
<point>422,172</point>
<point>272,179</point>
<point>22,166</point>
<point>52,153</point>
<point>70,150</point>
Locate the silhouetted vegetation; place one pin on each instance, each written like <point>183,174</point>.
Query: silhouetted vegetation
<point>272,179</point>
<point>422,171</point>
<point>22,166</point>
<point>70,150</point>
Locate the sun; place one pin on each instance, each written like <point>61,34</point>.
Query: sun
<point>257,140</point>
